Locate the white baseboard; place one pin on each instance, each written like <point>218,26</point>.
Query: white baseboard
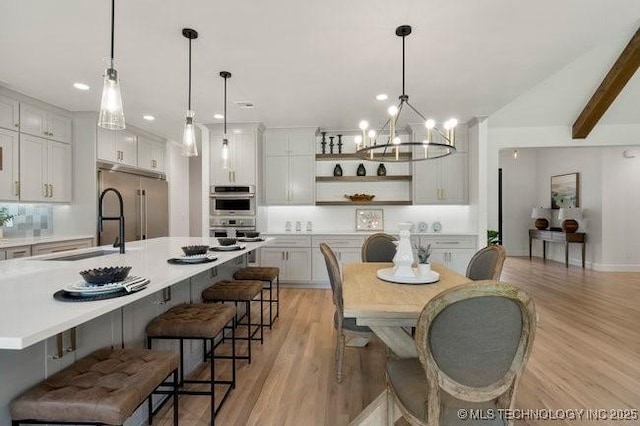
<point>608,267</point>
<point>319,286</point>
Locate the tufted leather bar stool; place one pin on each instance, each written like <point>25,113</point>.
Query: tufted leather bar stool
<point>266,274</point>
<point>239,291</point>
<point>198,321</point>
<point>103,388</point>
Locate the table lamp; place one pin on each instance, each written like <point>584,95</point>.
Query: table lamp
<point>542,216</point>
<point>570,217</point>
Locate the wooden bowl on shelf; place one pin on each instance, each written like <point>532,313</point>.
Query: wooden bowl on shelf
<point>360,197</point>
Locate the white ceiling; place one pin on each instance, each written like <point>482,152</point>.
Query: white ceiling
<point>302,62</point>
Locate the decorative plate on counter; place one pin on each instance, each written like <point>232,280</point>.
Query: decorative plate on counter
<point>437,227</point>
<point>423,227</point>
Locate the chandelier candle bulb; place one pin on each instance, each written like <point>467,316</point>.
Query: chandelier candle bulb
<point>372,138</point>
<point>358,141</point>
<point>364,125</point>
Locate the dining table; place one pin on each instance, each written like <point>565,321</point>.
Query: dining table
<point>390,310</point>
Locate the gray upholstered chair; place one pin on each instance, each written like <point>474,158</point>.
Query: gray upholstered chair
<point>341,323</point>
<point>379,248</point>
<point>486,264</point>
<point>473,341</point>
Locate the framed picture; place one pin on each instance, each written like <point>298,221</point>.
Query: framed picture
<point>369,220</point>
<point>565,191</point>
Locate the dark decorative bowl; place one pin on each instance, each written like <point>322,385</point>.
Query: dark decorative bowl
<point>251,234</point>
<point>194,250</point>
<point>227,241</point>
<point>101,276</point>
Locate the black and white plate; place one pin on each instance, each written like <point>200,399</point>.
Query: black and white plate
<point>227,248</point>
<point>84,288</point>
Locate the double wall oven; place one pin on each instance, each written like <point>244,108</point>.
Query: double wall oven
<point>232,207</point>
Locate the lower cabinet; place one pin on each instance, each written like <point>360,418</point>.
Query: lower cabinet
<point>452,251</point>
<point>294,262</point>
<point>347,249</point>
<point>48,248</point>
<point>17,252</point>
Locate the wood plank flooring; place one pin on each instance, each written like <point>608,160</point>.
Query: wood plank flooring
<point>586,355</point>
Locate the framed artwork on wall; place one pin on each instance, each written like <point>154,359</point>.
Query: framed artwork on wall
<point>565,191</point>
<point>369,220</point>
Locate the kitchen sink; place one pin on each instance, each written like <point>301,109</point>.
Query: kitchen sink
<point>80,256</point>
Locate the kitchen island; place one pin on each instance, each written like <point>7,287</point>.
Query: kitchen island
<point>40,335</point>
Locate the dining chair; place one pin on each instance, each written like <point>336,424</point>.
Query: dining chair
<point>473,343</point>
<point>487,263</point>
<point>379,248</point>
<point>341,323</point>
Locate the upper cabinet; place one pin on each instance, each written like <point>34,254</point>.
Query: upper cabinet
<point>242,161</point>
<point>150,154</point>
<point>289,166</point>
<point>45,170</point>
<point>9,113</point>
<point>118,146</point>
<point>40,122</point>
<point>9,179</point>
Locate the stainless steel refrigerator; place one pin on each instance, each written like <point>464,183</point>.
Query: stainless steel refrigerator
<point>146,206</point>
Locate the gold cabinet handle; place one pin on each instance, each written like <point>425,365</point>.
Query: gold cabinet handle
<point>17,124</point>
<point>45,193</point>
<point>17,188</point>
<point>51,190</point>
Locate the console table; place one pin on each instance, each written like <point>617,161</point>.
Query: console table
<point>557,237</point>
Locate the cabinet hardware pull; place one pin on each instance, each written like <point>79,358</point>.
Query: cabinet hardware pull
<point>17,185</point>
<point>44,190</point>
<point>51,188</point>
<point>17,124</point>
<point>282,255</point>
<point>287,255</point>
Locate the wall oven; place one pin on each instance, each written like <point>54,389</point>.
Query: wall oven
<point>236,200</point>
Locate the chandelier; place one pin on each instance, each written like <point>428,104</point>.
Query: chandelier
<point>436,143</point>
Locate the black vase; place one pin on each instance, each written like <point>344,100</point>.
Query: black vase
<point>361,170</point>
<point>337,170</point>
<point>331,144</point>
<point>382,170</point>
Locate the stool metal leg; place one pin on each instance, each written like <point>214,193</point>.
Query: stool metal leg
<point>213,377</point>
<point>277,296</point>
<point>270,304</point>
<point>261,318</point>
<point>233,357</point>
<point>175,398</point>
<point>181,361</point>
<point>248,304</point>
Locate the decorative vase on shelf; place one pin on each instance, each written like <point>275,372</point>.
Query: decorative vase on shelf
<point>337,170</point>
<point>403,259</point>
<point>361,170</point>
<point>339,144</point>
<point>382,170</point>
<point>331,144</point>
<point>324,142</point>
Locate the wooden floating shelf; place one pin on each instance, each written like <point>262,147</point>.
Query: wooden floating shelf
<point>363,178</point>
<point>363,203</point>
<point>352,156</point>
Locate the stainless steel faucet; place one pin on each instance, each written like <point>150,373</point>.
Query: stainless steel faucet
<point>120,218</point>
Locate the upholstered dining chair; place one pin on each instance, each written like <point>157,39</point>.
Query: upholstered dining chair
<point>379,248</point>
<point>473,343</point>
<point>487,263</point>
<point>341,323</point>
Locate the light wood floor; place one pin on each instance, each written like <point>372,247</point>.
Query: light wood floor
<point>586,355</point>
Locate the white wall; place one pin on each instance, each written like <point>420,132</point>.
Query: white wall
<point>178,181</point>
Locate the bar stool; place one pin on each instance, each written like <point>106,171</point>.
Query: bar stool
<point>105,387</point>
<point>239,291</point>
<point>266,274</point>
<point>197,321</point>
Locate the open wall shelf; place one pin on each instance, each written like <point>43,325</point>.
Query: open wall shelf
<point>363,203</point>
<point>406,178</point>
<point>352,156</point>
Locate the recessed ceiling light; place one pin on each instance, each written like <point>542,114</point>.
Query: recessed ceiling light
<point>148,117</point>
<point>382,97</point>
<point>81,86</point>
<point>218,116</point>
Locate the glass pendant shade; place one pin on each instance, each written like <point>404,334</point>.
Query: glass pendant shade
<point>189,146</point>
<point>111,113</point>
<point>225,153</point>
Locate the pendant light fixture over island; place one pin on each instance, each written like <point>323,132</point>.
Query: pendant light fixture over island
<point>225,137</point>
<point>189,146</point>
<point>111,113</point>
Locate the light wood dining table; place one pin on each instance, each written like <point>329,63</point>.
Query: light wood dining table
<point>389,310</point>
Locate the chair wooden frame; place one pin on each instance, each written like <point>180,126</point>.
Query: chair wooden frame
<point>497,270</point>
<point>335,278</point>
<point>373,237</point>
<point>503,390</point>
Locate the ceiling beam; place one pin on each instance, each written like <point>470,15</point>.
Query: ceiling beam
<point>615,80</point>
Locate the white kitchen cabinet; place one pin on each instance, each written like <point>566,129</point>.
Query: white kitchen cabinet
<point>244,146</point>
<point>150,154</point>
<point>290,253</point>
<point>9,113</point>
<point>43,123</point>
<point>18,252</point>
<point>3,254</point>
<point>9,165</point>
<point>441,181</point>
<point>60,246</point>
<point>289,166</point>
<point>118,146</point>
<point>452,251</point>
<point>346,247</point>
<point>45,170</point>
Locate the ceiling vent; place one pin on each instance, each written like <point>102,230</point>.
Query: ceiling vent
<point>245,104</point>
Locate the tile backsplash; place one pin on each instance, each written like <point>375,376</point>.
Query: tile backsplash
<point>29,220</point>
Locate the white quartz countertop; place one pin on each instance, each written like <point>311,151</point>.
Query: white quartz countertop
<point>367,233</point>
<point>29,313</point>
<point>29,241</point>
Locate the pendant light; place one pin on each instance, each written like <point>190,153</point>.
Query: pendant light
<point>225,137</point>
<point>436,143</point>
<point>111,113</point>
<point>189,146</point>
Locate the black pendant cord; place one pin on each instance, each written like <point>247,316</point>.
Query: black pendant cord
<point>113,20</point>
<point>189,108</point>
<point>225,106</point>
<point>403,92</point>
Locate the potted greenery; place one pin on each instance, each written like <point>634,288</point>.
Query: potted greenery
<point>5,217</point>
<point>423,254</point>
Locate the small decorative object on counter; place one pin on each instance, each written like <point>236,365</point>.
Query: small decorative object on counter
<point>298,226</point>
<point>309,226</point>
<point>337,170</point>
<point>331,144</point>
<point>382,170</point>
<point>287,226</point>
<point>339,144</point>
<point>361,170</point>
<point>324,142</point>
<point>437,226</point>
